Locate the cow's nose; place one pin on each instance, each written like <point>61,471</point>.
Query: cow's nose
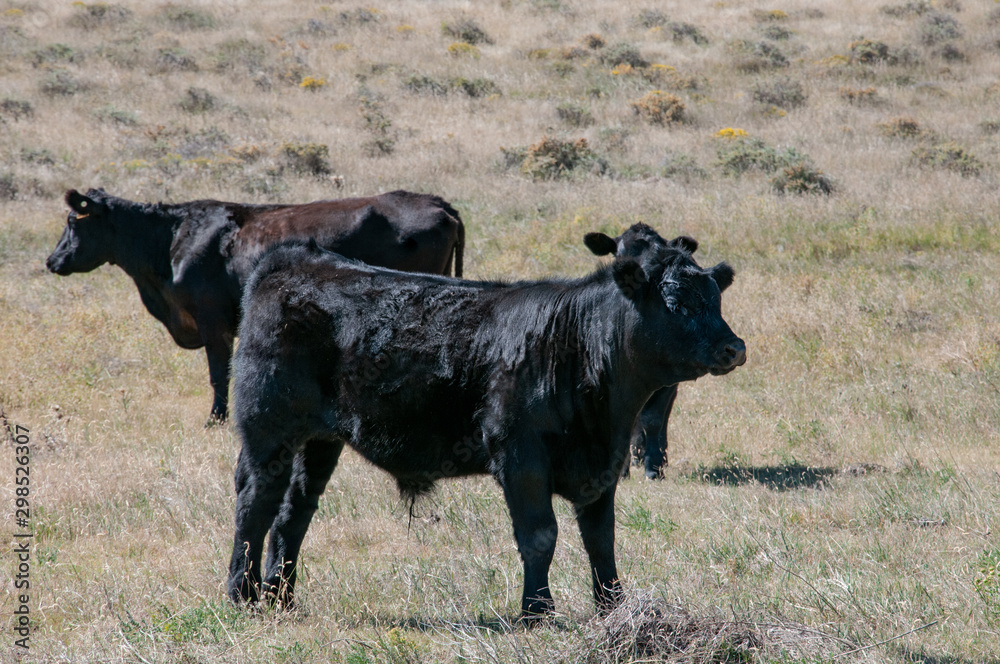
<point>735,353</point>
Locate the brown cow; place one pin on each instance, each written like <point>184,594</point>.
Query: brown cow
<point>190,261</point>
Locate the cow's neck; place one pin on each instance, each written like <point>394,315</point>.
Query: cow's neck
<point>604,332</point>
<point>142,244</point>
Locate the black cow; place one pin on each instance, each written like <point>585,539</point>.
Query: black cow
<point>190,261</point>
<point>649,437</point>
<point>536,383</point>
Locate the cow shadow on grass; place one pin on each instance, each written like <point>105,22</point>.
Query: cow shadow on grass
<point>776,478</point>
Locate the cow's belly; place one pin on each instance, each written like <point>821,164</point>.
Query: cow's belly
<point>424,432</point>
<point>184,329</point>
<point>415,455</point>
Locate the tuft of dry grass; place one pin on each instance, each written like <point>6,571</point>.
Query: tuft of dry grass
<point>644,628</point>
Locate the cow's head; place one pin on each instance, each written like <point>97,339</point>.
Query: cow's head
<point>88,238</point>
<point>678,301</point>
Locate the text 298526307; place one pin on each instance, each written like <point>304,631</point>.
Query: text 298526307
<point>22,535</point>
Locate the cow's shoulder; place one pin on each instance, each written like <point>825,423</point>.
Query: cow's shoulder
<point>203,237</point>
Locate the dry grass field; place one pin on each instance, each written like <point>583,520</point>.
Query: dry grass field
<point>835,499</point>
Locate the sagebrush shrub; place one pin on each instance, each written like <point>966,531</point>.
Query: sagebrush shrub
<point>683,166</point>
<point>782,92</point>
<point>240,54</point>
<point>593,41</point>
<point>425,85</point>
<point>54,53</point>
<point>622,53</point>
<point>801,178</point>
<point>909,8</point>
<point>658,107</point>
<point>175,59</point>
<point>901,127</point>
<point>947,156</point>
<point>574,114</point>
<point>41,156</point>
<point>198,100</point>
<point>776,32</point>
<point>650,18</point>
<point>114,115</point>
<point>859,96</point>
<point>951,53</point>
<point>870,52</point>
<point>97,15</point>
<point>562,69</point>
<point>463,50</point>
<point>466,30</point>
<point>474,87</point>
<point>361,16</point>
<point>990,126</point>
<point>665,76</point>
<point>308,158</point>
<point>376,122</point>
<point>765,16</point>
<point>61,83</point>
<point>937,28</point>
<point>740,153</point>
<point>8,187</point>
<point>553,158</point>
<point>183,17</point>
<point>16,109</point>
<point>678,32</point>
<point>758,56</point>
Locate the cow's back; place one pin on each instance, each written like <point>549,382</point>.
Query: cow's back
<point>398,230</point>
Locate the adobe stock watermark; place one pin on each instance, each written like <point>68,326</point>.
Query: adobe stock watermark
<point>23,535</point>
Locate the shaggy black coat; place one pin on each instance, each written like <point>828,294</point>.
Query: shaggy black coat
<point>536,383</point>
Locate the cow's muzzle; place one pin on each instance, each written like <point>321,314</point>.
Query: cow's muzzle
<point>732,355</point>
<point>56,265</point>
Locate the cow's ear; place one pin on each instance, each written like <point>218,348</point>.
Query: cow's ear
<point>600,244</point>
<point>688,244</point>
<point>81,204</point>
<point>723,275</point>
<point>630,277</point>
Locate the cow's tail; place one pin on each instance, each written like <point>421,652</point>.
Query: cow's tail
<point>459,247</point>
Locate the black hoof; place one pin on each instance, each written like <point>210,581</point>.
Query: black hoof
<point>215,420</point>
<point>243,593</point>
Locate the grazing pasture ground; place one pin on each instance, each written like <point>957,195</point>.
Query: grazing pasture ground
<point>839,492</point>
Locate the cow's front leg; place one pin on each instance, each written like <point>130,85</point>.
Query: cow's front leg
<point>311,470</point>
<point>529,498</point>
<point>597,528</point>
<point>219,350</point>
<point>649,437</point>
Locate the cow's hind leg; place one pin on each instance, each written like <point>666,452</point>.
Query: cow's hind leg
<point>597,528</point>
<point>529,498</point>
<point>261,482</point>
<point>311,470</point>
